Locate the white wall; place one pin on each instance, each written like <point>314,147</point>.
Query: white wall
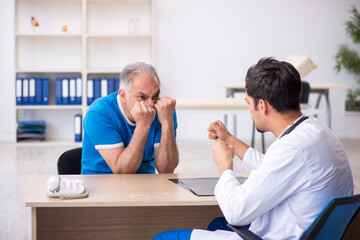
<point>204,41</point>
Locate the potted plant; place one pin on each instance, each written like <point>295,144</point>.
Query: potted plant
<point>349,60</point>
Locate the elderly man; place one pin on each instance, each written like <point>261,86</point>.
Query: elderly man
<point>132,130</point>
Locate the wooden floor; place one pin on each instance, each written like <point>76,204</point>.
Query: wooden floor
<point>17,161</point>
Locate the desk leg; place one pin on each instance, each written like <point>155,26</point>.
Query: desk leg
<point>33,223</point>
<point>253,139</point>
<point>318,103</point>
<point>327,102</point>
<point>235,124</point>
<point>253,136</point>
<point>230,94</point>
<point>328,110</point>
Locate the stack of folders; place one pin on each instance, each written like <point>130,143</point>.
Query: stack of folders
<point>77,127</point>
<point>32,91</point>
<point>100,87</point>
<point>68,91</point>
<point>31,131</point>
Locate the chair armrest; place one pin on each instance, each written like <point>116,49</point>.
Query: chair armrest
<point>245,233</point>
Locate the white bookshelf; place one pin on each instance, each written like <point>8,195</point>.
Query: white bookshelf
<point>48,107</point>
<point>102,37</point>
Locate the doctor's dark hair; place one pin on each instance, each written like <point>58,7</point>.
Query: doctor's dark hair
<point>276,82</point>
<point>133,69</point>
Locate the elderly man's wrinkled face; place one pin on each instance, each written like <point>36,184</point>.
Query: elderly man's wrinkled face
<point>144,88</point>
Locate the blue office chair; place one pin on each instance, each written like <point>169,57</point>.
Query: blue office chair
<point>332,222</point>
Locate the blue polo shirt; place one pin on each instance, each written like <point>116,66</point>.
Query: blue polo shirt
<point>106,126</point>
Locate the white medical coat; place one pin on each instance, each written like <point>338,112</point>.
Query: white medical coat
<point>287,187</point>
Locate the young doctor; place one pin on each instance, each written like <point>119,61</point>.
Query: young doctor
<point>288,186</point>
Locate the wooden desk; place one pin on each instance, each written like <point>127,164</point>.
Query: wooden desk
<point>132,206</point>
<point>320,88</point>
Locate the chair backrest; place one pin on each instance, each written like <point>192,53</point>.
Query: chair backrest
<point>70,162</point>
<point>334,220</point>
<point>305,91</point>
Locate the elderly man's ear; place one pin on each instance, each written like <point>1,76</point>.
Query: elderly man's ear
<point>122,95</point>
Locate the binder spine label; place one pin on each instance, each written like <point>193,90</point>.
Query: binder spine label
<point>65,91</point>
<point>18,91</point>
<point>77,128</point>
<point>72,91</point>
<point>26,91</point>
<point>78,91</point>
<point>104,87</point>
<point>90,91</point>
<point>32,91</point>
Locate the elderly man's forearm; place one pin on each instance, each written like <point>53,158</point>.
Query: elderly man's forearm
<point>167,157</point>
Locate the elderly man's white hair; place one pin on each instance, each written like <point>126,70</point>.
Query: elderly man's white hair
<point>133,69</point>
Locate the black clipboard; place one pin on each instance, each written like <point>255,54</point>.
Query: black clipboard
<point>201,186</point>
